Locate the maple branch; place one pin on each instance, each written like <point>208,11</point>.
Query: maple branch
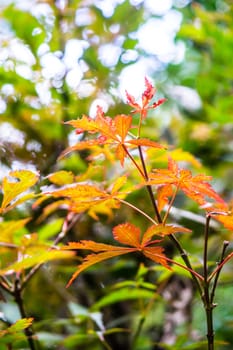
<point>19,301</point>
<point>220,266</point>
<point>172,237</point>
<point>205,257</point>
<point>149,187</point>
<point>212,295</point>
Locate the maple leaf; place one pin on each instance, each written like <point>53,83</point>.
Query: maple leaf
<point>126,234</point>
<point>163,194</point>
<point>112,131</point>
<point>222,213</point>
<point>161,230</point>
<point>226,220</point>
<point>32,259</point>
<point>14,185</point>
<point>105,252</point>
<point>79,198</point>
<point>16,328</point>
<point>195,187</point>
<point>147,96</point>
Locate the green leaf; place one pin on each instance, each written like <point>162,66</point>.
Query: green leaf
<point>13,333</point>
<point>123,295</point>
<point>51,229</point>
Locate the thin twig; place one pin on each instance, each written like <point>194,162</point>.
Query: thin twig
<point>5,284</point>
<point>137,209</point>
<point>212,295</point>
<point>66,227</point>
<point>19,301</point>
<point>170,204</point>
<point>205,257</point>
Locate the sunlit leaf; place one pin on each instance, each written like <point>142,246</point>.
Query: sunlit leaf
<point>121,153</point>
<point>80,191</point>
<point>123,124</point>
<point>93,259</point>
<point>15,184</point>
<point>163,194</point>
<point>195,187</point>
<point>127,234</point>
<point>91,245</point>
<point>82,145</point>
<point>118,184</point>
<point>62,177</point>
<point>226,220</point>
<point>162,230</point>
<point>40,258</point>
<point>8,228</point>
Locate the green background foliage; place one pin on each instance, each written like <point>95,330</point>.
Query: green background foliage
<point>38,94</point>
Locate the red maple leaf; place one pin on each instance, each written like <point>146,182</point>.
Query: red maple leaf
<point>147,96</point>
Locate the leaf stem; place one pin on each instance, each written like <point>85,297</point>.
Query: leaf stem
<point>133,161</point>
<point>137,209</point>
<point>170,204</point>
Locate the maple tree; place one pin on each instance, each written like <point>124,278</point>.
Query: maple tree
<point>117,133</point>
<point>120,137</point>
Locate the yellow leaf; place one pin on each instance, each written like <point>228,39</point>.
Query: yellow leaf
<point>8,228</point>
<point>62,177</point>
<point>33,260</point>
<point>15,184</point>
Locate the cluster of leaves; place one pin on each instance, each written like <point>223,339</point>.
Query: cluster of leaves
<point>28,242</point>
<point>117,135</point>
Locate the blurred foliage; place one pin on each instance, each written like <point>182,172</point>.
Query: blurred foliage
<point>56,59</point>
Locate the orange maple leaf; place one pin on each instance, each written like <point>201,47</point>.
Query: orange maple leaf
<point>223,213</point>
<point>111,131</point>
<point>195,187</point>
<point>115,131</point>
<point>130,235</point>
